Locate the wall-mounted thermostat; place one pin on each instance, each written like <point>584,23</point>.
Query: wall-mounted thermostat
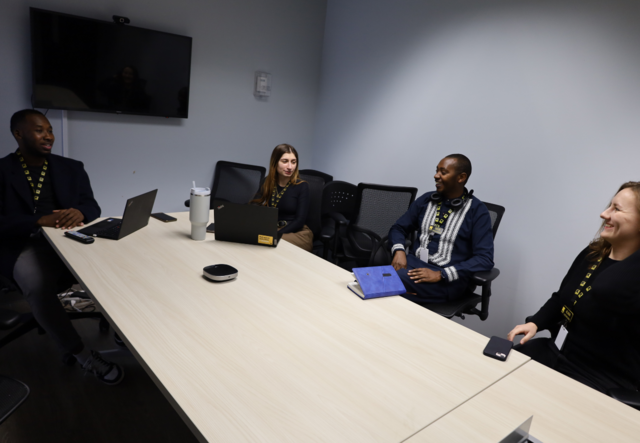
<point>263,85</point>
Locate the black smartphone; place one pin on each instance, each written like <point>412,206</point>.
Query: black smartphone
<point>211,227</point>
<point>498,348</point>
<point>163,217</point>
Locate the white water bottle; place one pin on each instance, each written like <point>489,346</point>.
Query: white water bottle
<point>199,212</point>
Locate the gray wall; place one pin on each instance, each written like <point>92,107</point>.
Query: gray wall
<point>128,155</point>
<point>543,96</point>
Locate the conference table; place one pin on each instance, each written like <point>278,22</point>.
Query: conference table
<point>563,410</point>
<point>287,353</point>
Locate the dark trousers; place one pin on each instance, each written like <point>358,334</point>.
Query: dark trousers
<point>429,292</point>
<point>41,275</point>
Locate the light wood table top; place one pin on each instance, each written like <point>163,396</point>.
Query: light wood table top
<point>563,411</point>
<point>284,353</point>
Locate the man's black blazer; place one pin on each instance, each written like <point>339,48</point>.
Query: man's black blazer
<point>71,186</point>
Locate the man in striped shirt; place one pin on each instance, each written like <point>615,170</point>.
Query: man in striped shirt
<point>454,237</point>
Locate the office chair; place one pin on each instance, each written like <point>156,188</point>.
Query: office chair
<point>338,209</point>
<point>378,207</point>
<point>12,393</point>
<point>316,181</point>
<point>626,396</point>
<point>235,182</point>
<point>20,324</point>
<point>307,172</point>
<point>468,302</point>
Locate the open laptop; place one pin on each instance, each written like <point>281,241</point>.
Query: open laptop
<point>251,224</point>
<point>136,216</point>
<point>521,434</point>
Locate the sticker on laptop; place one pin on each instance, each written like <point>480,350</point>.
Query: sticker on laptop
<point>265,239</point>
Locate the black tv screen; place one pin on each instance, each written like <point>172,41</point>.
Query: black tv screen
<point>92,65</point>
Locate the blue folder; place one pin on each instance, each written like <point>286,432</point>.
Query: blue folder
<point>377,281</point>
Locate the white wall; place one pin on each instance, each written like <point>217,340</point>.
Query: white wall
<point>543,96</point>
<point>128,155</point>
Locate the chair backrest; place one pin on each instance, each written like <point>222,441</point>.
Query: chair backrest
<point>496,212</point>
<point>378,207</point>
<point>236,182</point>
<point>13,393</point>
<point>340,197</point>
<point>316,185</point>
<point>326,177</point>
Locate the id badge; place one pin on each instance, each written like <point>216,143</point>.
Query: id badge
<point>561,337</point>
<point>436,229</point>
<point>423,254</point>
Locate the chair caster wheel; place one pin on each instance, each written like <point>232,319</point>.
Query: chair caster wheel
<point>69,359</point>
<point>104,326</point>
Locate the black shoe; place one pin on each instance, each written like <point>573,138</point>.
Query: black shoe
<point>103,369</point>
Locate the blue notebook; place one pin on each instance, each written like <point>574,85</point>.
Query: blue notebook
<point>377,281</point>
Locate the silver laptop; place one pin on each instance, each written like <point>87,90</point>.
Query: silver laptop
<point>521,434</point>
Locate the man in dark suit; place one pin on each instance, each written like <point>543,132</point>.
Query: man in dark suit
<point>40,189</point>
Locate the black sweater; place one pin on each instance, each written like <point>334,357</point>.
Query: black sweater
<point>604,335</point>
<point>293,207</point>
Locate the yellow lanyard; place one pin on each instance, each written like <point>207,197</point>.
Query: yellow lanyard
<point>36,190</point>
<point>436,227</point>
<point>276,196</point>
<point>577,295</point>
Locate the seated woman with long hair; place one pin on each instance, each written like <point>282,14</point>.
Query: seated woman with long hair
<point>284,190</point>
<point>597,306</point>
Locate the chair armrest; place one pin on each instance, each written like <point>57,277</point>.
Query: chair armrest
<point>328,229</point>
<point>626,396</point>
<point>480,278</point>
<point>339,218</point>
<point>375,237</point>
<point>9,319</point>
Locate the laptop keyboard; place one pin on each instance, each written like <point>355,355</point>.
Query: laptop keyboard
<point>111,232</point>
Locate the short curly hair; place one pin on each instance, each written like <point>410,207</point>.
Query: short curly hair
<point>19,117</point>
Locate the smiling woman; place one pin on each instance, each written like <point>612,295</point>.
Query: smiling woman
<point>597,306</point>
<point>284,190</point>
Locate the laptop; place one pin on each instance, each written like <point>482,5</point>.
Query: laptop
<point>376,281</point>
<point>250,224</point>
<point>521,434</point>
<point>136,216</point>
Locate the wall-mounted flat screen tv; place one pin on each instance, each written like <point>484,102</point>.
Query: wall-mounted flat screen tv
<point>83,64</point>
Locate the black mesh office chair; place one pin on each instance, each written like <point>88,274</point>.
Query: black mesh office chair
<point>21,323</point>
<point>468,302</point>
<point>235,182</point>
<point>377,209</point>
<point>316,185</point>
<point>12,393</point>
<point>338,209</point>
<point>325,177</point>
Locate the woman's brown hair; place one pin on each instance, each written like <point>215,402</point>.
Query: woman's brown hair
<point>270,180</point>
<point>600,248</point>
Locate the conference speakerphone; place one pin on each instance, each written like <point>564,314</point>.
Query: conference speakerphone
<point>218,273</point>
